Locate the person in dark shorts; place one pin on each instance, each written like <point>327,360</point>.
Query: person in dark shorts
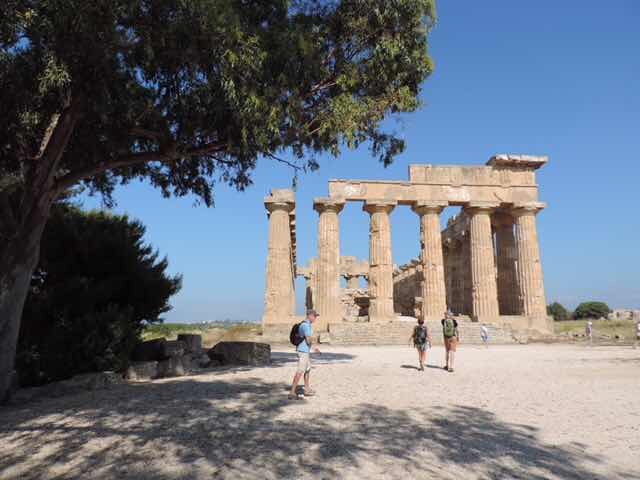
<point>451,339</point>
<point>421,338</point>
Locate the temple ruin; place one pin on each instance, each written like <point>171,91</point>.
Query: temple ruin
<point>484,266</point>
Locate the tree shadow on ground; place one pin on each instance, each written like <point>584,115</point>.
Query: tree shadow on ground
<point>247,429</point>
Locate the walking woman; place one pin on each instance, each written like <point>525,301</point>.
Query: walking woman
<point>421,338</point>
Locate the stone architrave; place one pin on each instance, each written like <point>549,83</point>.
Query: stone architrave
<point>380,260</point>
<point>327,295</point>
<point>433,286</point>
<point>484,291</point>
<point>508,294</point>
<point>530,279</point>
<point>279,292</point>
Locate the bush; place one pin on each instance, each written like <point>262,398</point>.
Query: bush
<point>558,312</point>
<point>97,284</point>
<point>592,310</point>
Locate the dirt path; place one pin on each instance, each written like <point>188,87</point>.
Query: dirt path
<point>531,412</point>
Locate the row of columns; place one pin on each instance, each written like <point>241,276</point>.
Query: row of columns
<point>477,254</point>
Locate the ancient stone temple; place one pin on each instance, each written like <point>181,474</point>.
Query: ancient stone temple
<point>484,266</point>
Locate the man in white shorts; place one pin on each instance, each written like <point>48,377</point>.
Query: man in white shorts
<point>305,333</point>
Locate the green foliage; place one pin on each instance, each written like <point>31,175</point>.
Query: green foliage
<point>592,310</point>
<point>558,312</point>
<point>96,286</point>
<point>184,93</point>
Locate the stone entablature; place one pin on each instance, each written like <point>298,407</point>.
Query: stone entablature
<point>485,264</point>
<point>505,179</point>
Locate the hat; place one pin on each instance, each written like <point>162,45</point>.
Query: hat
<point>311,311</point>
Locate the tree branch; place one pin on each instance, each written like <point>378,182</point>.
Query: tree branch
<point>286,162</point>
<point>131,160</point>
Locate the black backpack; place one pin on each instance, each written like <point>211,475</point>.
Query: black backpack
<point>421,335</point>
<point>294,336</point>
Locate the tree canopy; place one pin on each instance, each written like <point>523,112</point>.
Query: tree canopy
<point>592,310</point>
<point>186,92</point>
<point>558,312</point>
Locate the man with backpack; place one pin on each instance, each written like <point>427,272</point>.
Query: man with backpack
<point>421,338</point>
<point>451,339</point>
<point>301,336</point>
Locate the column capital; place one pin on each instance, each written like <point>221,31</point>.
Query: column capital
<point>326,204</point>
<point>273,204</point>
<point>480,207</point>
<point>427,206</point>
<point>373,206</point>
<point>530,208</point>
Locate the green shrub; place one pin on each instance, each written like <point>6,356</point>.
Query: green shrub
<point>592,310</point>
<point>96,286</point>
<point>558,312</point>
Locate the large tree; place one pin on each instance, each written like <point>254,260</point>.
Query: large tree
<point>184,93</point>
<point>97,283</point>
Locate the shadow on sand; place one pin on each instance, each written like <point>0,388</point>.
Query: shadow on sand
<point>187,428</point>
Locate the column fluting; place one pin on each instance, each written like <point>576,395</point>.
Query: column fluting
<point>484,291</point>
<point>279,291</point>
<point>530,278</point>
<point>434,296</point>
<point>327,299</point>
<point>380,260</point>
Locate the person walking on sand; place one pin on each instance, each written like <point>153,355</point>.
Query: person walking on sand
<point>421,338</point>
<point>303,348</point>
<point>451,339</point>
<point>484,334</point>
<point>588,330</point>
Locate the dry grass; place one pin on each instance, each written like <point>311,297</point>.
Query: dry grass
<point>210,334</point>
<point>624,328</point>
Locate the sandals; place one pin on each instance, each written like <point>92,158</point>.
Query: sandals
<point>309,393</point>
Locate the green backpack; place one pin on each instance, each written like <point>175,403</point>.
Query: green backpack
<point>449,328</point>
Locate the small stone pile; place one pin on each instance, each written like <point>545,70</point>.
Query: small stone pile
<point>161,358</point>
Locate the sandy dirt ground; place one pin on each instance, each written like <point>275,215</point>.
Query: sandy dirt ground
<point>530,412</point>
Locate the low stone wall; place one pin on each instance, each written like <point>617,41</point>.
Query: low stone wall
<point>398,333</point>
<point>390,333</point>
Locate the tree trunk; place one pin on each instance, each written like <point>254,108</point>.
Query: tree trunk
<point>17,263</point>
<point>22,250</point>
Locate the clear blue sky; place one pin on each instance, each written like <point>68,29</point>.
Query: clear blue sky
<point>557,78</point>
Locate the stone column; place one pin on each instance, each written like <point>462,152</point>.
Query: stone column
<point>279,291</point>
<point>484,291</point>
<point>465,275</point>
<point>448,277</point>
<point>508,293</point>
<point>530,280</point>
<point>434,294</point>
<point>380,260</point>
<point>327,297</point>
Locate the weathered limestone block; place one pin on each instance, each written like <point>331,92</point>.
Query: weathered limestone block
<point>142,371</point>
<point>192,342</point>
<point>172,349</point>
<point>171,367</point>
<point>149,351</point>
<point>242,353</point>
